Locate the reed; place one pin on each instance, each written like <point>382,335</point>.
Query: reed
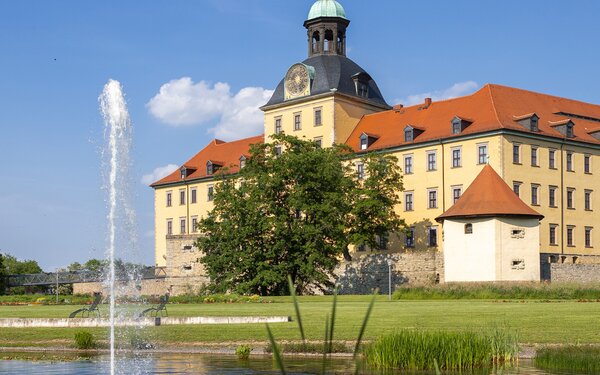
<point>449,351</point>
<point>581,359</point>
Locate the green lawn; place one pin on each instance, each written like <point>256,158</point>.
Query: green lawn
<point>535,322</point>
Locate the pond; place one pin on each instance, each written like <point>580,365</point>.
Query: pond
<point>212,365</point>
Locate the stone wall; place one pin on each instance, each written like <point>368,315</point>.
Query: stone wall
<point>152,287</point>
<point>367,272</point>
<point>186,275</point>
<point>570,268</point>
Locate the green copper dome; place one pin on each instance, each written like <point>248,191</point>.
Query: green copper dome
<point>326,8</point>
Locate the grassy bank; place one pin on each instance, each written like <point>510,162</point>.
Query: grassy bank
<point>521,291</point>
<point>531,319</point>
<point>580,359</point>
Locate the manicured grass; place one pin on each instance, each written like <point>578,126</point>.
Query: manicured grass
<point>580,359</point>
<point>534,321</point>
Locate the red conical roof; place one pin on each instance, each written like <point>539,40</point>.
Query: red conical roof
<point>487,196</point>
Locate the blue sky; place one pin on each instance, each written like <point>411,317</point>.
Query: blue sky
<point>195,69</point>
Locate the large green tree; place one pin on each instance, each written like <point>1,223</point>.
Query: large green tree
<point>14,266</point>
<point>2,275</point>
<point>295,213</point>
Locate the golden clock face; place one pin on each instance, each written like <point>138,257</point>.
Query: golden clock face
<point>297,80</point>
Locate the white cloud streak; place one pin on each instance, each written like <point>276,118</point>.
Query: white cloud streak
<point>158,173</point>
<point>181,102</point>
<point>456,90</point>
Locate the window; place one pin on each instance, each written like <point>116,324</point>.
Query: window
<point>169,227</point>
<point>534,194</point>
<point>182,226</point>
<point>534,156</point>
<point>277,150</point>
<point>278,125</point>
<point>482,154</point>
<point>588,237</point>
<point>410,237</point>
<point>360,171</point>
<point>362,89</point>
<point>516,154</point>
<point>570,200</point>
<point>319,142</point>
<point>517,187</point>
<point>569,161</point>
<point>552,234</point>
<point>382,241</point>
<point>181,197</point>
<point>534,123</point>
<point>242,162</point>
<point>408,201</point>
<point>194,224</point>
<point>456,126</point>
<point>169,199</point>
<point>432,236</point>
<point>587,164</point>
<point>408,164</point>
<point>587,200</point>
<point>469,228</point>
<point>297,122</point>
<point>456,158</point>
<point>552,196</point>
<point>570,239</point>
<point>408,135</point>
<point>432,194</point>
<point>194,198</point>
<point>210,168</point>
<point>431,161</point>
<point>456,193</point>
<point>364,142</point>
<point>570,133</point>
<point>517,264</point>
<point>210,195</point>
<point>318,117</point>
<point>552,159</point>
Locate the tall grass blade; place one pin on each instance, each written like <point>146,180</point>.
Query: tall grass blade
<point>364,323</point>
<point>437,367</point>
<point>276,353</point>
<point>297,308</point>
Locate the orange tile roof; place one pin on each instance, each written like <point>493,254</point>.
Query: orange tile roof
<point>493,107</point>
<point>227,153</point>
<point>488,195</point>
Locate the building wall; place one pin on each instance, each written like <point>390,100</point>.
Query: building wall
<point>517,254</point>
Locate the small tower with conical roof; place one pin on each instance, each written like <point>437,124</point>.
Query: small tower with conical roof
<point>326,25</point>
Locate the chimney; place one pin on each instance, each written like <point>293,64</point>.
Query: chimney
<point>427,103</point>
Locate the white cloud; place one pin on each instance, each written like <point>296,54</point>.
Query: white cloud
<point>456,90</point>
<point>181,102</point>
<point>158,173</point>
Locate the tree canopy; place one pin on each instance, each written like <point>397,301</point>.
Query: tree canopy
<point>295,213</point>
<point>14,266</point>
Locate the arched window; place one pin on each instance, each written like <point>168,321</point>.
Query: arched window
<point>328,41</point>
<point>316,38</point>
<point>468,228</point>
<point>340,43</point>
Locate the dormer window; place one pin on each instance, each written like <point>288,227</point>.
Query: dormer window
<point>361,83</point>
<point>183,171</point>
<point>366,140</point>
<point>570,133</point>
<point>212,167</point>
<point>411,132</point>
<point>564,127</point>
<point>242,161</point>
<point>459,124</point>
<point>529,121</point>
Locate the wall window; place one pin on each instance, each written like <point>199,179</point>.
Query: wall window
<point>431,161</point>
<point>408,201</point>
<point>432,235</point>
<point>360,171</point>
<point>517,187</point>
<point>588,237</point>
<point>382,241</point>
<point>409,241</point>
<point>570,237</point>
<point>552,159</point>
<point>432,198</point>
<point>169,199</point>
<point>277,151</point>
<point>456,158</point>
<point>516,153</point>
<point>408,164</point>
<point>456,193</point>
<point>181,197</point>
<point>169,227</point>
<point>210,193</point>
<point>569,161</point>
<point>194,224</point>
<point>587,168</point>
<point>194,197</point>
<point>534,194</point>
<point>534,156</point>
<point>318,117</point>
<point>482,154</point>
<point>319,142</point>
<point>552,196</point>
<point>182,226</point>
<point>469,228</point>
<point>587,200</point>
<point>552,234</point>
<point>278,125</point>
<point>570,199</point>
<point>297,121</point>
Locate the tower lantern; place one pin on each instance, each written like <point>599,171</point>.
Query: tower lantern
<point>326,25</point>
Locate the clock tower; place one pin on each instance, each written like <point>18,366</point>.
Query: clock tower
<point>323,97</point>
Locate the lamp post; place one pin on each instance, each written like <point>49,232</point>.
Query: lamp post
<point>57,286</point>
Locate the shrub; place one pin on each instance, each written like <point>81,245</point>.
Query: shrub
<point>580,359</point>
<point>84,340</point>
<point>243,351</point>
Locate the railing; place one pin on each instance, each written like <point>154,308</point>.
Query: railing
<point>75,277</point>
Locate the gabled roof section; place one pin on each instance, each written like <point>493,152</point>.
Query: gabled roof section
<point>226,154</point>
<point>488,196</point>
<point>493,107</point>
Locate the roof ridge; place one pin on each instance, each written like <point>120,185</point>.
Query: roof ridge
<point>489,87</point>
<point>541,94</point>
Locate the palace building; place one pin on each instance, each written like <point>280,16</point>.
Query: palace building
<point>544,149</point>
